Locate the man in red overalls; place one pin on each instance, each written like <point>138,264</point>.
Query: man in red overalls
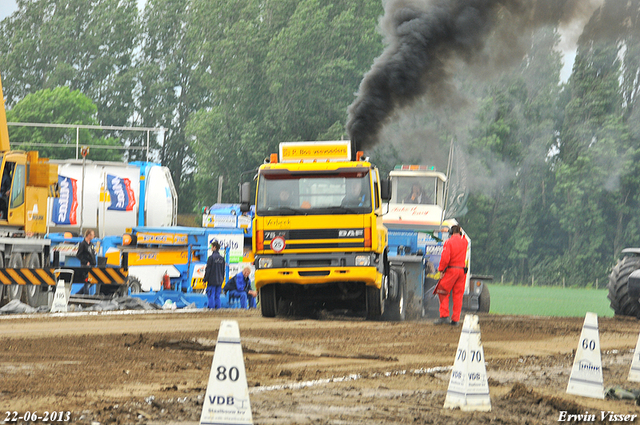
<point>452,265</point>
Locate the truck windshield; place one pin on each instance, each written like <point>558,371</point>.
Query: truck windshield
<point>287,194</point>
<point>415,190</point>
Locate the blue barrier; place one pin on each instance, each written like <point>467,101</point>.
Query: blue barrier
<point>180,299</point>
<point>229,302</point>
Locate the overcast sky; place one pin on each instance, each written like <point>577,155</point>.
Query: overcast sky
<point>7,7</point>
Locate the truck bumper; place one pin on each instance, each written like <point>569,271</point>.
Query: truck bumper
<point>317,276</point>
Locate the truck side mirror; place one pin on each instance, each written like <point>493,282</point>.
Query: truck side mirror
<point>385,190</point>
<point>245,197</point>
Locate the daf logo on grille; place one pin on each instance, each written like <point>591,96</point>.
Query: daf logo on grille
<point>350,233</point>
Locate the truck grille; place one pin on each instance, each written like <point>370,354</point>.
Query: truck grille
<point>314,263</point>
<point>313,234</point>
<point>338,239</point>
<point>315,273</point>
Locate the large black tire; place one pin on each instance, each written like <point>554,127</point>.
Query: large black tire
<point>268,301</point>
<point>14,292</point>
<point>31,291</point>
<point>134,285</point>
<point>115,291</point>
<point>396,308</point>
<point>621,303</point>
<point>484,303</point>
<point>375,303</point>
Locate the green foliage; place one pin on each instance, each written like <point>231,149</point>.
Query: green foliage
<point>87,46</point>
<point>58,106</point>
<point>509,148</point>
<point>169,85</point>
<point>316,59</point>
<point>276,72</point>
<point>592,156</point>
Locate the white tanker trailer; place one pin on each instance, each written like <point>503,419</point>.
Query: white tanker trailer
<point>111,197</point>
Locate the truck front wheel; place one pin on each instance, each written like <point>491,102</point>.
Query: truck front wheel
<point>268,300</point>
<point>133,285</point>
<point>375,302</point>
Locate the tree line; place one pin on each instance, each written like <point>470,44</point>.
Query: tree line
<point>552,165</point>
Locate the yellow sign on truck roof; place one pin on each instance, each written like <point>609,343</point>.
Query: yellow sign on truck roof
<point>315,151</point>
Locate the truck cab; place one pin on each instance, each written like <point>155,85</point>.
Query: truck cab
<point>318,236</point>
<point>417,185</point>
<point>12,193</point>
<point>418,198</point>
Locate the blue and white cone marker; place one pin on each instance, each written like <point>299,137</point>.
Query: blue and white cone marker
<point>634,371</point>
<point>468,386</point>
<point>60,299</point>
<point>227,398</point>
<point>586,374</point>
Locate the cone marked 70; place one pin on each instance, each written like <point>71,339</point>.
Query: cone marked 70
<point>468,386</point>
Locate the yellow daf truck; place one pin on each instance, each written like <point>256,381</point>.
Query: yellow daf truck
<point>318,237</point>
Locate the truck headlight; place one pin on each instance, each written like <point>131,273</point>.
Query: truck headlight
<point>363,260</point>
<point>265,263</point>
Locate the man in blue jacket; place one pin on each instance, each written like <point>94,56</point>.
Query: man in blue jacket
<point>241,287</point>
<point>214,275</point>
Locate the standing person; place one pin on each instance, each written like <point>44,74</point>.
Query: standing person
<point>452,265</point>
<point>241,287</point>
<point>87,256</point>
<point>214,275</point>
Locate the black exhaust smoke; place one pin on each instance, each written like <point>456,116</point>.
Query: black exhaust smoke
<point>421,37</point>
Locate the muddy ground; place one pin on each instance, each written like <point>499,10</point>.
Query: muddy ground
<point>153,368</point>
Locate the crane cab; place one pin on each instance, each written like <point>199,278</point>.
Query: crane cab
<point>24,188</point>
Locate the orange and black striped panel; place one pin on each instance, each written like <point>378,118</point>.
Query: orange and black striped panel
<point>102,275</point>
<point>107,275</point>
<point>25,276</point>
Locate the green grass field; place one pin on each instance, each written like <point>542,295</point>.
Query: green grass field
<point>548,301</point>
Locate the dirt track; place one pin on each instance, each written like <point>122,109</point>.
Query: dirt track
<point>154,368</point>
